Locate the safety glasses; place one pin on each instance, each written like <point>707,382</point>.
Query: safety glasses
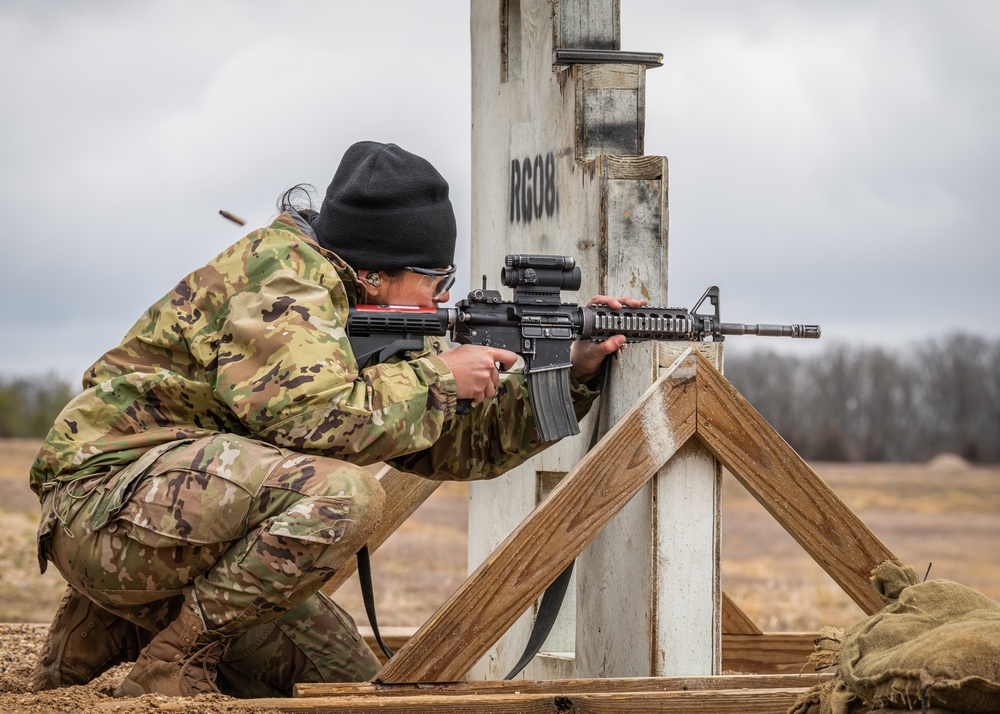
<point>447,276</point>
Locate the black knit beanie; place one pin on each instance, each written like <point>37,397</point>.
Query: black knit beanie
<point>387,209</point>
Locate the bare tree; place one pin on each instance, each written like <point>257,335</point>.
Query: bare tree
<point>861,403</point>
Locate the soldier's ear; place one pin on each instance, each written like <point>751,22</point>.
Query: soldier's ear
<point>372,281</point>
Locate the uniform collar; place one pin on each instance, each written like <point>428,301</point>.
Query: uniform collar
<point>352,283</point>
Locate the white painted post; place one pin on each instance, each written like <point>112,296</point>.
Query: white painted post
<point>557,167</point>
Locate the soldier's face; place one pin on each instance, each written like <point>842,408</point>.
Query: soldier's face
<point>413,289</point>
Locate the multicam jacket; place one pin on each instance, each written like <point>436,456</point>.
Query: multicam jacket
<point>254,344</point>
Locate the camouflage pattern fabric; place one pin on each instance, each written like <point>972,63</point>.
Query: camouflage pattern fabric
<point>247,531</point>
<point>254,344</point>
<point>213,454</point>
<point>316,642</point>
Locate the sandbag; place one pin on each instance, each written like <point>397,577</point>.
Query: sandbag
<point>935,643</point>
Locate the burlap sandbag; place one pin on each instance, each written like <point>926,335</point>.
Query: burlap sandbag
<point>935,644</point>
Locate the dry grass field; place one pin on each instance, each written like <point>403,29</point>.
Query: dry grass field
<point>945,512</point>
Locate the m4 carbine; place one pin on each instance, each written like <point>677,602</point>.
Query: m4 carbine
<point>541,329</point>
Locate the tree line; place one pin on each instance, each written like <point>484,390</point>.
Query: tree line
<point>851,403</point>
<point>847,403</point>
<point>28,406</point>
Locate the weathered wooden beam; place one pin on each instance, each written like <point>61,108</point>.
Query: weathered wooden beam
<point>774,653</point>
<point>520,569</point>
<point>404,493</point>
<point>564,686</point>
<point>779,653</point>
<point>729,701</point>
<point>648,168</point>
<point>610,109</point>
<point>726,701</point>
<point>787,487</point>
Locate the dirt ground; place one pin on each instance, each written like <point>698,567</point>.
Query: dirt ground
<point>944,512</point>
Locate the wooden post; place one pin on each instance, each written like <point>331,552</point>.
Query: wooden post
<point>558,167</point>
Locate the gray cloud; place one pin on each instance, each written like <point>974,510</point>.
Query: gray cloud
<point>834,163</point>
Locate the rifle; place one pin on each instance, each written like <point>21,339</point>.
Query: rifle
<point>541,329</point>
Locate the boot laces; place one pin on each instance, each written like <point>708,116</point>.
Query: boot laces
<point>204,659</point>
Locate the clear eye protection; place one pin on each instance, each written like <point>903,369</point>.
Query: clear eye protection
<point>446,275</point>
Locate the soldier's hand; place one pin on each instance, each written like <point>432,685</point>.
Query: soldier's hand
<point>588,356</point>
<point>475,369</point>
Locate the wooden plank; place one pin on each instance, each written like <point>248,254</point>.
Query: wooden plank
<point>609,76</point>
<point>774,701</point>
<point>506,584</point>
<point>686,595</point>
<point>564,686</point>
<point>686,605</point>
<point>588,24</point>
<point>609,109</point>
<point>515,124</point>
<point>729,701</point>
<point>403,495</point>
<point>760,701</point>
<point>734,620</point>
<point>769,653</point>
<point>638,168</point>
<point>778,653</point>
<point>788,488</point>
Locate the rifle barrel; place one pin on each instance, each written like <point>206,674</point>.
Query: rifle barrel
<point>810,332</point>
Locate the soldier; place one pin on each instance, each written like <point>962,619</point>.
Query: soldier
<point>207,481</point>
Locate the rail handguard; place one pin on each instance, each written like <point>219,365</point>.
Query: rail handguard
<point>541,329</point>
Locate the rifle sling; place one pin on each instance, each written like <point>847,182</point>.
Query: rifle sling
<point>548,611</point>
<point>365,578</point>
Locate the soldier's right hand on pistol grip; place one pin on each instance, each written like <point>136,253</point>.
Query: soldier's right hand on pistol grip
<point>475,369</point>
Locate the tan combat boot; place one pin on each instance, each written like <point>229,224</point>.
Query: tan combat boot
<point>180,661</point>
<point>83,642</point>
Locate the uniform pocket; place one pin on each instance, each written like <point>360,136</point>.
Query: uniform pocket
<point>321,519</point>
<point>117,494</point>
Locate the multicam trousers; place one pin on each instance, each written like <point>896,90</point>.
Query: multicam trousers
<point>247,531</point>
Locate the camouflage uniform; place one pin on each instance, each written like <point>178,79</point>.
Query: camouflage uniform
<point>214,458</point>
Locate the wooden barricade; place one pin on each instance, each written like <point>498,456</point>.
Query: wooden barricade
<point>691,400</point>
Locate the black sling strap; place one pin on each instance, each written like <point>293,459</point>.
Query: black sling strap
<point>365,578</point>
<point>548,611</point>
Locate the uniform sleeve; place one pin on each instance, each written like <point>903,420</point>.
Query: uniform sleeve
<point>286,369</point>
<point>496,436</point>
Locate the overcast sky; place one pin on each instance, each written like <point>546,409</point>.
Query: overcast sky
<point>834,162</point>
